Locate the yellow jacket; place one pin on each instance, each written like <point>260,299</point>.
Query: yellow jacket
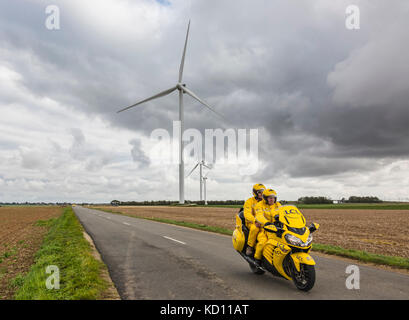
<point>249,212</point>
<point>265,213</point>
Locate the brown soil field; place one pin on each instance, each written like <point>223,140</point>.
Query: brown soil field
<point>20,238</point>
<point>377,231</point>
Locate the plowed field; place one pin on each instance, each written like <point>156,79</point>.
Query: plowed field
<point>20,238</point>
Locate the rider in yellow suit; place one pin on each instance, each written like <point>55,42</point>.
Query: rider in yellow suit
<point>249,215</point>
<point>265,212</point>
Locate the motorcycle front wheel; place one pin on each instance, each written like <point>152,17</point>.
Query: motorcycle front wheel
<point>305,279</point>
<point>256,270</point>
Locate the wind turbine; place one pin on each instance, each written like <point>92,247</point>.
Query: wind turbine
<point>204,185</point>
<point>182,89</point>
<point>201,164</point>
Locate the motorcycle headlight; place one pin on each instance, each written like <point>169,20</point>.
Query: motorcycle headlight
<point>297,241</point>
<point>293,240</point>
<point>309,240</point>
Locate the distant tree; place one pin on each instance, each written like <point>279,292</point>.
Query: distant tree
<point>115,203</point>
<point>314,200</point>
<point>366,199</point>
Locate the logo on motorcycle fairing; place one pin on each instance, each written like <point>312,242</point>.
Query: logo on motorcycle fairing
<point>282,247</point>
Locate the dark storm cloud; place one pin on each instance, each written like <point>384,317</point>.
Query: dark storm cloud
<point>322,94</point>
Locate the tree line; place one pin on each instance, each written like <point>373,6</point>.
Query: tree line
<point>302,200</point>
<point>351,199</point>
<point>35,203</point>
<point>172,203</point>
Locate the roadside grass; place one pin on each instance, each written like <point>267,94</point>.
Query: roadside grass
<point>65,247</point>
<point>398,262</point>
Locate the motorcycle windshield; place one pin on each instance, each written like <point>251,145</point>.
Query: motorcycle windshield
<point>291,216</point>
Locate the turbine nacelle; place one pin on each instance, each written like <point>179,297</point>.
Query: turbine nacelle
<point>181,86</point>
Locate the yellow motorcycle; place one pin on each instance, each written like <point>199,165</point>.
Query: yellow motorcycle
<point>286,251</point>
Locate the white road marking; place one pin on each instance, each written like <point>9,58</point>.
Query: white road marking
<point>174,240</point>
<point>108,218</point>
<point>126,223</point>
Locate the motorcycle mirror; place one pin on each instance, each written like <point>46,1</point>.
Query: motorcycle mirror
<point>313,227</point>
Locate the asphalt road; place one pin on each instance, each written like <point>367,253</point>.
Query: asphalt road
<point>151,260</point>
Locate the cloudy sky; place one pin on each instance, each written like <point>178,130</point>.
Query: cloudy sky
<point>331,104</point>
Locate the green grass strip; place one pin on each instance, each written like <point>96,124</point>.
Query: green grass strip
<point>65,247</point>
<point>364,256</point>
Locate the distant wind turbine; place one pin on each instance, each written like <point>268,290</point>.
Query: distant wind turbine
<point>182,89</point>
<point>205,189</point>
<point>201,164</point>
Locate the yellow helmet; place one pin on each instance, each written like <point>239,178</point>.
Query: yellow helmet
<point>258,187</point>
<point>269,193</point>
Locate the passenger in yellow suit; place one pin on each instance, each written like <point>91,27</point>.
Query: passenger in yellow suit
<point>249,215</point>
<point>265,212</point>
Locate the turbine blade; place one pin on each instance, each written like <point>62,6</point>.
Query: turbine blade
<point>161,94</point>
<point>193,95</point>
<point>208,167</point>
<point>182,63</point>
<point>192,170</point>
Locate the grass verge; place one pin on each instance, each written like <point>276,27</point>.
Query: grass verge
<point>364,256</point>
<point>398,262</point>
<point>65,247</point>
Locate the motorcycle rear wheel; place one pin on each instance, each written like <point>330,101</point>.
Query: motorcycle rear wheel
<point>305,279</point>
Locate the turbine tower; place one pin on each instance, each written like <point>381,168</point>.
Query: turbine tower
<point>182,89</point>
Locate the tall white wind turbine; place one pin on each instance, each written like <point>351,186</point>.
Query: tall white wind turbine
<point>182,89</point>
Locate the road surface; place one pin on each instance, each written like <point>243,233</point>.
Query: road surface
<point>152,260</point>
